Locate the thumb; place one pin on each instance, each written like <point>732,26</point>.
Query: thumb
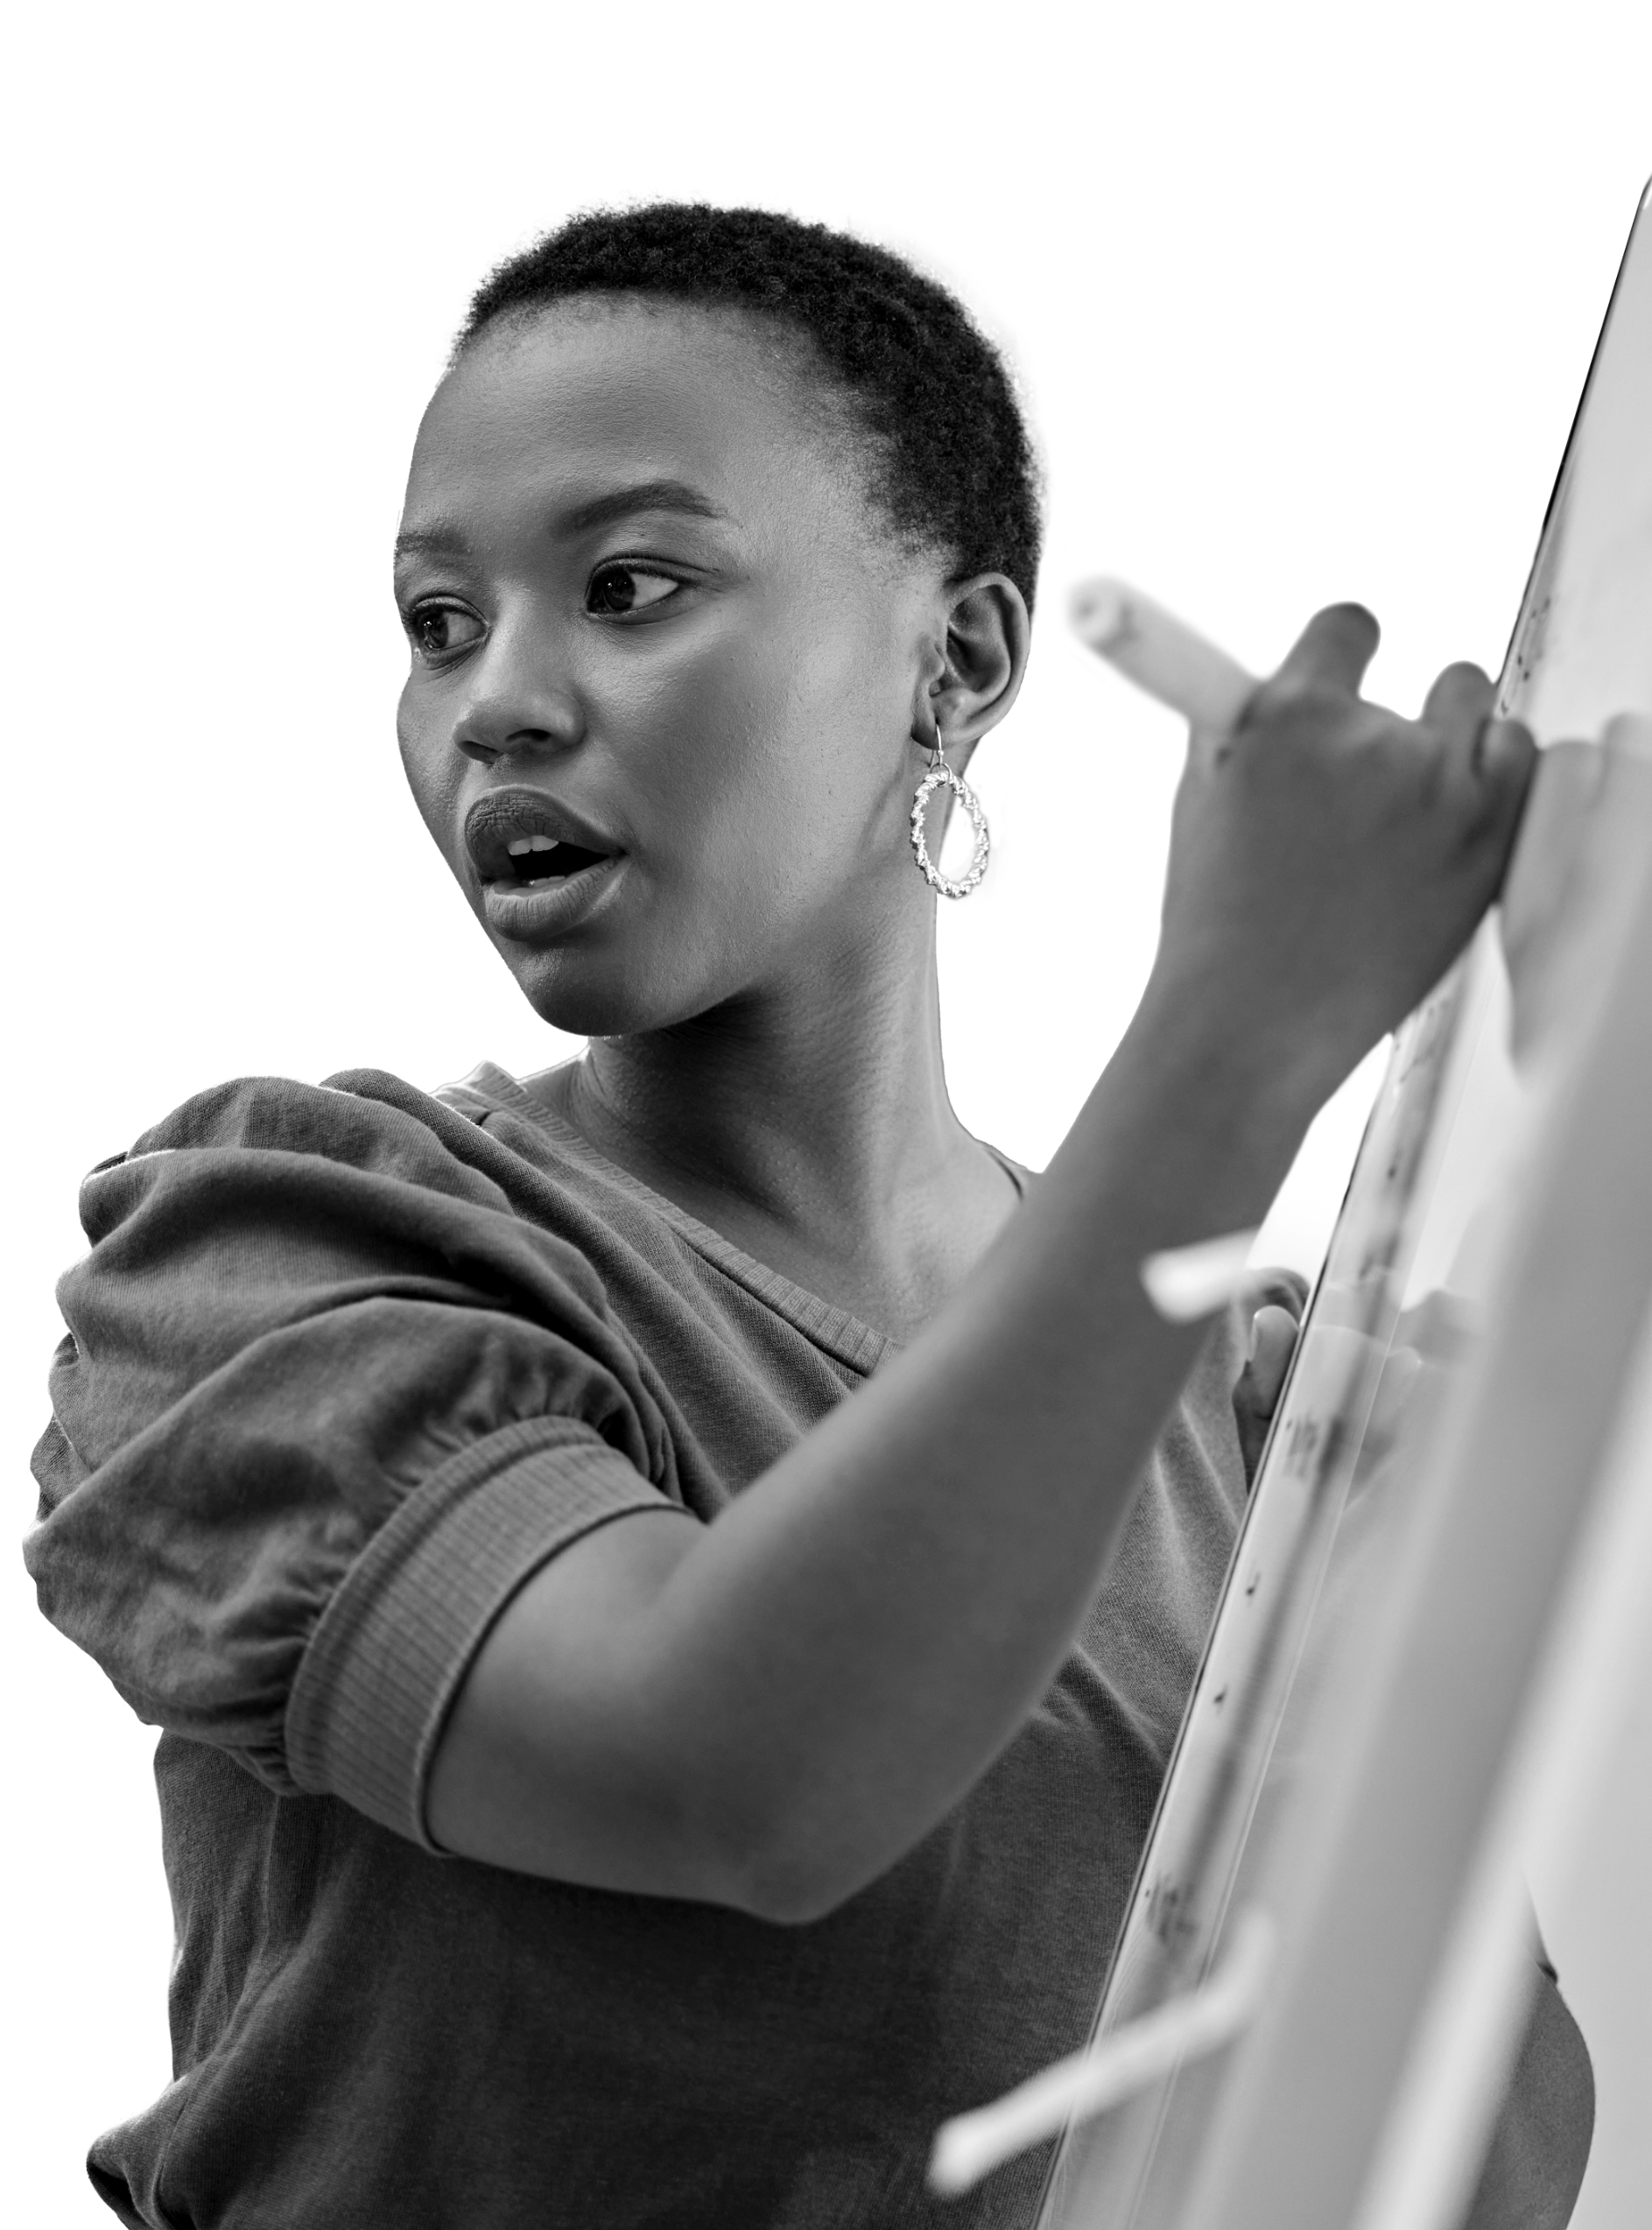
<point>1273,1341</point>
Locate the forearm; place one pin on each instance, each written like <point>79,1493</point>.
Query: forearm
<point>849,1647</point>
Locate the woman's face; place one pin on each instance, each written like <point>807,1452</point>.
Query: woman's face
<point>667,662</point>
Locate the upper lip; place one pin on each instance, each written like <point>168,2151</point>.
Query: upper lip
<point>500,815</point>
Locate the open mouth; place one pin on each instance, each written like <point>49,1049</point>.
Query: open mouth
<point>536,860</point>
<point>520,840</point>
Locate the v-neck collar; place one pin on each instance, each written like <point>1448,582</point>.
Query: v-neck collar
<point>861,1345</point>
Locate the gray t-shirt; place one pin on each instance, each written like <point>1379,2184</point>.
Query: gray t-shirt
<point>345,1365</point>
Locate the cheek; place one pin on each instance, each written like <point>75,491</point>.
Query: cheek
<point>409,741</point>
<point>432,769</point>
<point>716,737</point>
<point>771,759</point>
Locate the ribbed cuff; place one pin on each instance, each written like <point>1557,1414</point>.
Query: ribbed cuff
<point>387,1656</point>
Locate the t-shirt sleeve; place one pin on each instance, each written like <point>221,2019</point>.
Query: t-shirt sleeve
<point>325,1400</point>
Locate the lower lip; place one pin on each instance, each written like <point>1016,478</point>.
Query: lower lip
<point>534,916</point>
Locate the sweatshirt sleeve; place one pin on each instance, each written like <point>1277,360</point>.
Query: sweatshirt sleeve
<point>325,1400</point>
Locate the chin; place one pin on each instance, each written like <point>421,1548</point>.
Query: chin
<point>588,997</point>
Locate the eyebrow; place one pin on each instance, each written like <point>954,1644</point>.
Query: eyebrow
<point>441,540</point>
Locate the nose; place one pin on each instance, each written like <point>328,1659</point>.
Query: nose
<point>491,732</point>
<point>495,725</point>
<point>517,704</point>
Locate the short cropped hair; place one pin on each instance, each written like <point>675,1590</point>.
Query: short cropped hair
<point>929,397</point>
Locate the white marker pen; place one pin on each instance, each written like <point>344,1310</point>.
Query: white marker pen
<point>1162,654</point>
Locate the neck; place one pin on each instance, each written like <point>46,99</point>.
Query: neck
<point>817,1107</point>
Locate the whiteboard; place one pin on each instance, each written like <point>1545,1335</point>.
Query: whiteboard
<point>1469,1130</point>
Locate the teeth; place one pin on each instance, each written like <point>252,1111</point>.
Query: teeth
<point>519,846</point>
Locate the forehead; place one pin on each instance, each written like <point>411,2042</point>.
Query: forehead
<point>591,394</point>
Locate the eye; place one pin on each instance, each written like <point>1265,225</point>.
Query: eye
<point>437,630</point>
<point>628,589</point>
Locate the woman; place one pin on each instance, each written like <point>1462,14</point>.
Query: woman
<point>609,1776</point>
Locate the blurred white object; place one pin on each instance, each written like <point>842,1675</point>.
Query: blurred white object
<point>1162,654</point>
<point>1549,1802</point>
<point>1089,2082</point>
<point>1186,1283</point>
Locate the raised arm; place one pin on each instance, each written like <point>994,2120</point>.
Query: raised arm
<point>768,1711</point>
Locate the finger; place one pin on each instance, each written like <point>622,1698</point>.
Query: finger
<point>1438,1327</point>
<point>1273,1340</point>
<point>1334,650</point>
<point>1286,1289</point>
<point>1393,1392</point>
<point>1494,759</point>
<point>1460,699</point>
<point>1506,758</point>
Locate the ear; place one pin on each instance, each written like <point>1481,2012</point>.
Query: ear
<point>969,687</point>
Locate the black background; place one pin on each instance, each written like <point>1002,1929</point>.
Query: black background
<point>1274,371</point>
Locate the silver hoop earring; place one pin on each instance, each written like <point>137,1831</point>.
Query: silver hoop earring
<point>938,777</point>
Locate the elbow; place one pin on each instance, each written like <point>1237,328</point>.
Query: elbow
<point>792,1896</point>
<point>801,1882</point>
<point>819,1858</point>
<point>788,1872</point>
